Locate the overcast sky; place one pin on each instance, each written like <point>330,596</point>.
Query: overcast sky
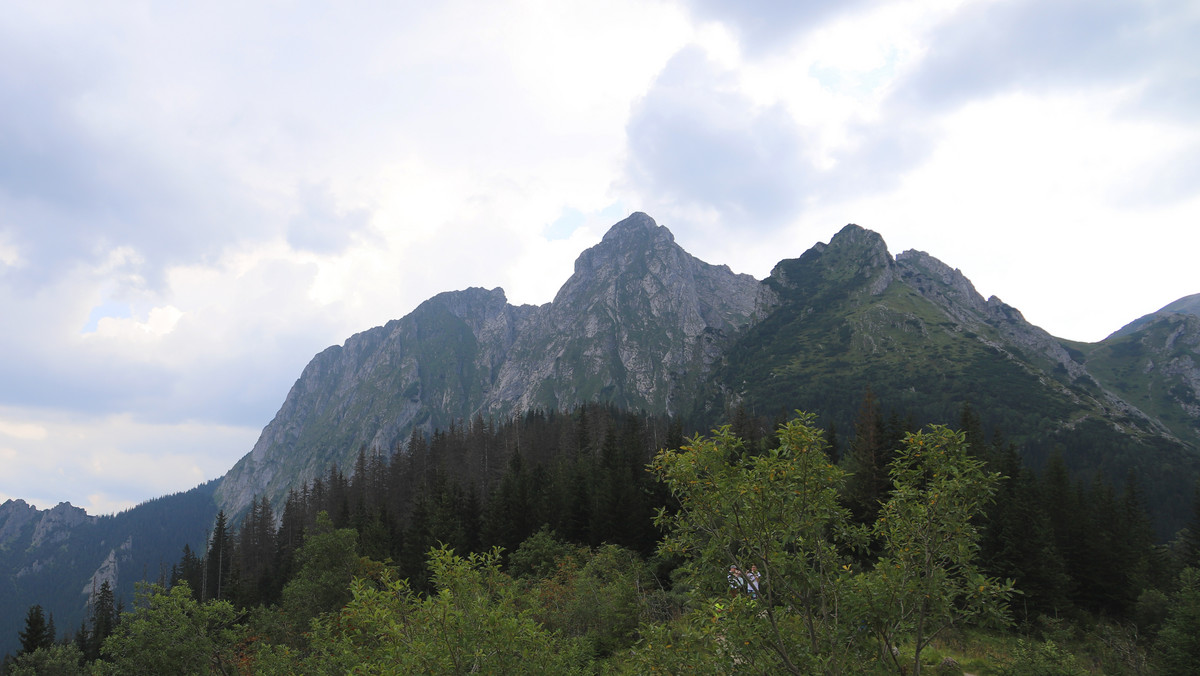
<point>195,198</point>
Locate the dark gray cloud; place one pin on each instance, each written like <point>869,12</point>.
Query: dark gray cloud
<point>881,156</point>
<point>694,140</point>
<point>764,25</point>
<point>1147,52</point>
<point>75,183</point>
<point>321,226</point>
<point>691,142</point>
<point>99,386</point>
<point>1037,45</point>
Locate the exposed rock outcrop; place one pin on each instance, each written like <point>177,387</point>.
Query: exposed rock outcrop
<point>14,516</point>
<point>56,524</point>
<point>109,570</point>
<point>644,325</point>
<point>640,324</point>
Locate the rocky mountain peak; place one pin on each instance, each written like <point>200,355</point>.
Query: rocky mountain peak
<point>1188,305</point>
<point>14,514</point>
<point>624,249</point>
<point>637,226</point>
<point>470,301</point>
<point>646,316</point>
<point>640,324</point>
<point>867,245</point>
<point>56,524</point>
<point>638,267</point>
<point>855,256</point>
<point>946,286</point>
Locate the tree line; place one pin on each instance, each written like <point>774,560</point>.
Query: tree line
<point>591,559</point>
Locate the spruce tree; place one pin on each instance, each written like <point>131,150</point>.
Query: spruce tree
<point>82,639</point>
<point>36,633</point>
<point>867,462</point>
<point>217,561</point>
<point>1018,543</point>
<point>103,618</point>
<point>1178,644</point>
<point>1189,546</point>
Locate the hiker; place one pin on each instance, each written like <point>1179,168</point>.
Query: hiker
<point>737,583</point>
<point>752,578</point>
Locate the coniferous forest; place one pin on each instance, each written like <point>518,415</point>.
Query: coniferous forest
<point>604,541</point>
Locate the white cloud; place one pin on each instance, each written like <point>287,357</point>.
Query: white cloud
<point>22,430</point>
<point>9,255</point>
<point>109,463</point>
<point>194,200</point>
<point>1024,193</point>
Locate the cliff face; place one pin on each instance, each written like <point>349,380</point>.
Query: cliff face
<point>640,323</point>
<point>40,550</point>
<point>26,527</point>
<point>422,371</point>
<point>14,516</point>
<point>644,325</point>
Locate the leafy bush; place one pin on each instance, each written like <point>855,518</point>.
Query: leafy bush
<point>471,624</point>
<point>1041,659</point>
<point>1179,640</point>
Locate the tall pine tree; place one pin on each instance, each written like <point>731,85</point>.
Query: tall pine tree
<point>37,633</point>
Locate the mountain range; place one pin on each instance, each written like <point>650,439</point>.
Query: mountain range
<point>644,325</point>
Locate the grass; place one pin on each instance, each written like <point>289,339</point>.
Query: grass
<point>1104,648</point>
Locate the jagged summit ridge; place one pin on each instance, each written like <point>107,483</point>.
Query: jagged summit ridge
<point>640,324</point>
<point>640,317</point>
<point>644,325</point>
<point>1188,305</point>
<point>636,226</point>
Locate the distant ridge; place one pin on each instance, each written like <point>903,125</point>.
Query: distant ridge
<point>1188,305</point>
<point>644,325</point>
<point>640,324</point>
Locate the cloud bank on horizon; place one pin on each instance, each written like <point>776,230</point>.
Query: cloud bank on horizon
<point>196,200</point>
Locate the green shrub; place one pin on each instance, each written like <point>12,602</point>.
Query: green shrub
<point>1041,659</point>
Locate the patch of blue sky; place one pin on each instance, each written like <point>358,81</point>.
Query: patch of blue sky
<point>613,212</point>
<point>566,223</point>
<point>569,220</point>
<point>858,83</point>
<point>108,308</point>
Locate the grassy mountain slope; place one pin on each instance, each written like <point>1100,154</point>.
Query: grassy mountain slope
<point>1156,367</point>
<point>851,317</point>
<point>846,321</point>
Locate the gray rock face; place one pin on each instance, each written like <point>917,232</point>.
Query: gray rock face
<point>49,526</point>
<point>951,291</point>
<point>109,570</point>
<point>14,515</point>
<point>56,524</point>
<point>420,371</point>
<point>644,325</point>
<point>1188,305</point>
<point>640,324</point>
